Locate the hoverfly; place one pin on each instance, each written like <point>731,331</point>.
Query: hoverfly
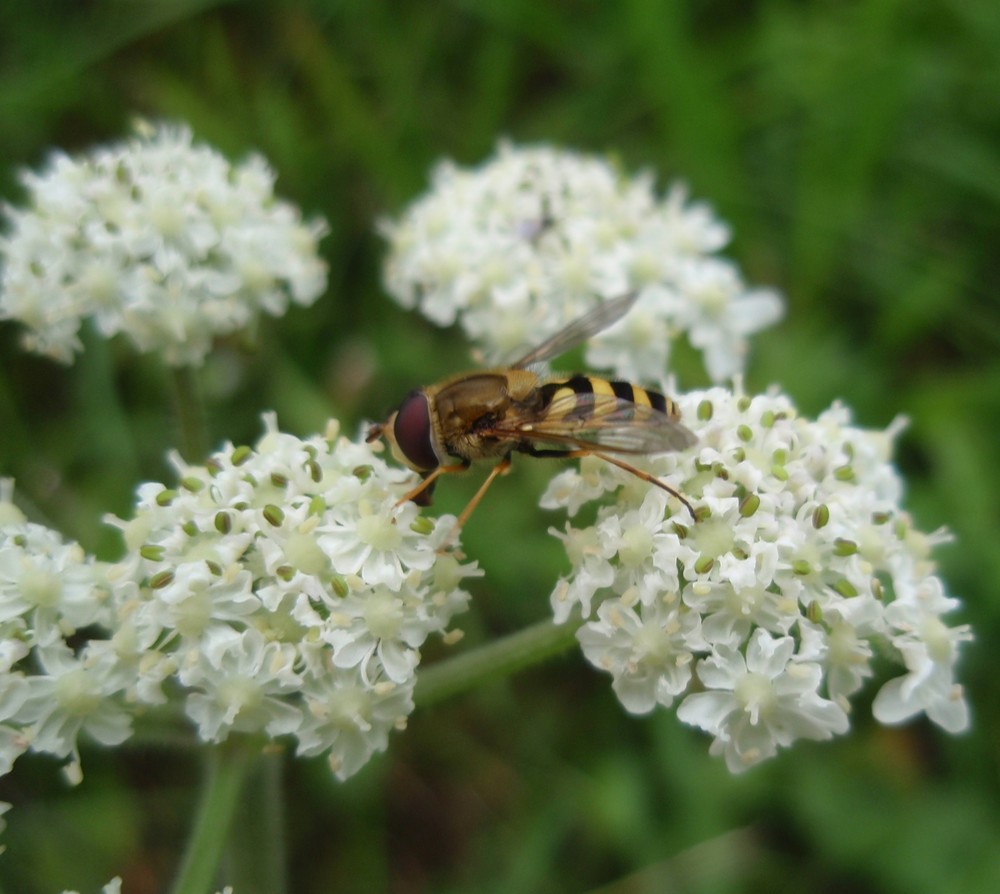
<point>493,413</point>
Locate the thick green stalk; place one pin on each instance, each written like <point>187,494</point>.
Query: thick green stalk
<point>190,413</point>
<point>493,661</point>
<point>256,856</point>
<point>228,765</point>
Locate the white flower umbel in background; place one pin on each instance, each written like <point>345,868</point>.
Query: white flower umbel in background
<point>50,592</point>
<point>533,238</point>
<point>763,617</point>
<point>158,238</point>
<point>288,592</point>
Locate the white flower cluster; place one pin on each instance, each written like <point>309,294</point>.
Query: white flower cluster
<point>765,614</point>
<point>157,238</point>
<point>49,591</point>
<point>535,237</point>
<point>279,589</point>
<point>288,593</point>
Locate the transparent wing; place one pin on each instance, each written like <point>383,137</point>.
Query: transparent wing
<point>600,420</point>
<point>580,330</point>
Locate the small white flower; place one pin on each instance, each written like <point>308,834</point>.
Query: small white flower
<point>50,584</point>
<point>647,649</point>
<point>158,238</point>
<point>718,312</point>
<point>237,681</point>
<point>377,543</point>
<point>846,656</point>
<point>382,624</point>
<point>592,571</point>
<point>534,237</point>
<point>13,742</point>
<point>574,488</point>
<point>756,704</point>
<point>800,535</point>
<point>349,719</point>
<point>72,695</point>
<point>929,649</point>
<point>196,600</point>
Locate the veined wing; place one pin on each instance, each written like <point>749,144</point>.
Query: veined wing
<point>575,420</point>
<point>602,316</point>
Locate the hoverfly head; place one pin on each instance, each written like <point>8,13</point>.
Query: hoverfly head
<point>409,433</point>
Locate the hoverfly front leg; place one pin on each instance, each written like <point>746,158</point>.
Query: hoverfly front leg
<point>501,468</point>
<point>427,485</point>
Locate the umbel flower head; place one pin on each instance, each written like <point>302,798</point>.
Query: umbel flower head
<point>50,592</point>
<point>764,616</point>
<point>278,590</point>
<point>289,592</point>
<point>157,238</point>
<point>533,238</point>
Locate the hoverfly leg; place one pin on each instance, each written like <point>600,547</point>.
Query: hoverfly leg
<point>639,473</point>
<point>427,485</point>
<point>501,468</point>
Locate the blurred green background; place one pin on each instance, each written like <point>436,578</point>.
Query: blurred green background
<point>854,147</point>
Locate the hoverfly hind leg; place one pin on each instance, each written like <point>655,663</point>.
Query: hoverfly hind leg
<point>501,468</point>
<point>639,473</point>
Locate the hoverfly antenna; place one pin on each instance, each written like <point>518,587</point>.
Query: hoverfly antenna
<point>374,432</point>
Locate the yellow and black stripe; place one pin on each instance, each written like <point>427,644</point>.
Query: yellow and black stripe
<point>584,386</point>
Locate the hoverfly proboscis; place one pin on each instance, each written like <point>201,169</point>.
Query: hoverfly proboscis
<point>493,413</point>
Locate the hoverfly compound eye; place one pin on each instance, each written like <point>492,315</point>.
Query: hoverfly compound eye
<point>412,432</point>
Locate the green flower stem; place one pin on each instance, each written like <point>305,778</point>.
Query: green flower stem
<point>190,413</point>
<point>256,856</point>
<point>493,661</point>
<point>228,765</point>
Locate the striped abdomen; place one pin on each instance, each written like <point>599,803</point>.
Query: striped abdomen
<point>555,403</point>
